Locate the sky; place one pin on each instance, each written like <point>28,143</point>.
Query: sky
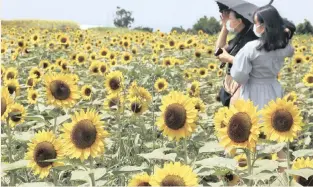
<point>157,14</point>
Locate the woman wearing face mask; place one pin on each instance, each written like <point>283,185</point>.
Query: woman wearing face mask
<point>257,64</point>
<point>232,22</point>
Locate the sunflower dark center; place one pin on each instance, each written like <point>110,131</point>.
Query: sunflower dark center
<point>197,106</point>
<point>95,70</point>
<point>34,96</point>
<point>126,57</point>
<point>310,79</point>
<point>37,73</point>
<point>304,182</point>
<point>202,72</point>
<point>198,54</point>
<point>35,38</point>
<point>298,60</point>
<point>11,89</point>
<point>144,184</point>
<point>30,82</point>
<point>84,134</point>
<point>93,57</point>
<point>239,127</point>
<point>87,91</point>
<point>136,107</point>
<point>20,44</point>
<point>64,66</point>
<point>175,116</point>
<point>3,105</point>
<point>44,151</point>
<point>114,83</point>
<point>167,62</point>
<point>173,180</point>
<point>282,120</point>
<point>10,75</point>
<point>63,40</point>
<point>103,69</point>
<point>229,177</point>
<point>210,52</point>
<point>242,162</point>
<point>16,115</point>
<point>161,85</point>
<point>172,43</point>
<point>45,65</point>
<point>104,53</point>
<point>193,88</point>
<point>81,59</point>
<point>60,90</point>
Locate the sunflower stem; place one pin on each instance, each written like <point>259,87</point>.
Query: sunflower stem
<point>91,174</point>
<point>249,166</point>
<point>55,125</point>
<point>186,151</point>
<point>9,133</point>
<point>55,177</point>
<point>288,163</point>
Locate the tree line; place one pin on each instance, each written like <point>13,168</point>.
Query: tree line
<point>124,18</point>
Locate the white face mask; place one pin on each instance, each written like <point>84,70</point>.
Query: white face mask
<point>228,27</point>
<point>255,32</point>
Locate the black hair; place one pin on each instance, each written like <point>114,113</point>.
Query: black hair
<point>245,21</point>
<point>274,36</point>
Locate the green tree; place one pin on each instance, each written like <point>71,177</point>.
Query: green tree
<point>123,18</point>
<point>146,29</point>
<point>305,28</point>
<point>178,29</point>
<point>207,25</point>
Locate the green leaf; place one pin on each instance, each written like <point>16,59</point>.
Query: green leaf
<point>274,148</point>
<point>158,154</point>
<point>60,119</point>
<point>126,169</point>
<point>264,165</point>
<point>305,172</point>
<point>303,152</point>
<point>261,176</point>
<point>99,172</point>
<point>36,184</point>
<point>24,136</point>
<point>38,118</point>
<point>15,165</point>
<point>79,175</point>
<point>210,147</point>
<point>218,162</point>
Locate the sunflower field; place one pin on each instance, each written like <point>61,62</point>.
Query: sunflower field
<point>109,108</point>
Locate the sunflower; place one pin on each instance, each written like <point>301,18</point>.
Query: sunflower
<point>178,116</point>
<point>301,163</point>
<point>298,59</point>
<point>231,179</point>
<point>220,73</point>
<point>31,82</point>
<point>64,67</point>
<point>44,64</point>
<point>209,51</point>
<point>203,72</point>
<point>35,72</point>
<point>174,174</point>
<point>86,92</point>
<point>6,102</point>
<point>142,179</point>
<point>84,136</point>
<point>13,86</point>
<point>282,120</point>
<point>242,161</point>
<point>160,84</point>
<point>242,129</point>
<point>94,67</point>
<point>171,43</point>
<point>212,66</point>
<point>308,79</point>
<point>11,73</point>
<point>126,58</point>
<point>88,47</point>
<point>103,68</point>
<point>308,58</point>
<point>194,89</point>
<point>93,56</point>
<point>168,62</point>
<point>137,106</point>
<point>114,82</point>
<point>104,52</point>
<point>134,50</point>
<point>81,58</point>
<point>16,114</point>
<point>44,146</point>
<point>21,43</point>
<point>32,96</point>
<point>139,92</point>
<point>63,39</point>
<point>199,105</point>
<point>220,119</point>
<point>198,53</point>
<point>61,90</point>
<point>292,97</point>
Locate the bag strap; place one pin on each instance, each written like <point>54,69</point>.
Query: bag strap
<point>235,90</point>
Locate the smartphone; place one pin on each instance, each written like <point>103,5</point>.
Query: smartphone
<point>218,52</point>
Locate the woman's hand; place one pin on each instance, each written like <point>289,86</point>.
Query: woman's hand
<point>225,57</point>
<point>224,17</point>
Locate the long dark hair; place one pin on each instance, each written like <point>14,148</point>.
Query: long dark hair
<point>274,36</point>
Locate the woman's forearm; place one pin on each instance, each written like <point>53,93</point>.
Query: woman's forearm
<point>221,41</point>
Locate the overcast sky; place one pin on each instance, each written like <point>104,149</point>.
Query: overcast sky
<point>162,14</point>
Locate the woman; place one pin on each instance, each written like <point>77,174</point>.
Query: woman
<point>257,64</point>
<point>237,24</point>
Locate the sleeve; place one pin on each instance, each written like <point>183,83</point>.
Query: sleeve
<point>242,65</point>
<point>289,50</point>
